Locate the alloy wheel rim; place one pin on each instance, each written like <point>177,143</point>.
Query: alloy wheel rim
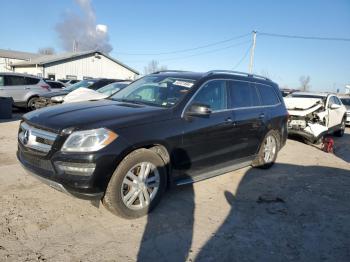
<point>270,148</point>
<point>140,185</point>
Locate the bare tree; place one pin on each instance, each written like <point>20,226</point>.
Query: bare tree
<point>46,51</point>
<point>305,83</point>
<point>153,66</point>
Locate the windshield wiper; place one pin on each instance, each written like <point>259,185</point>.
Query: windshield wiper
<point>138,102</point>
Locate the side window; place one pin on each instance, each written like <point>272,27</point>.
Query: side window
<point>31,81</point>
<point>2,81</point>
<point>243,94</point>
<point>14,80</point>
<point>337,101</point>
<point>331,101</point>
<point>268,95</point>
<point>213,94</point>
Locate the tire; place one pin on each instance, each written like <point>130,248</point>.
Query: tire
<point>31,103</point>
<point>341,131</point>
<point>263,161</point>
<point>125,184</point>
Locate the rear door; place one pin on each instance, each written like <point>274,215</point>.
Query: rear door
<point>15,87</point>
<point>248,116</point>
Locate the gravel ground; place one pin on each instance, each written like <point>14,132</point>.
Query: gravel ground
<point>298,210</point>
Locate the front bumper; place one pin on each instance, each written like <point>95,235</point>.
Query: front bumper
<point>309,137</point>
<point>46,173</point>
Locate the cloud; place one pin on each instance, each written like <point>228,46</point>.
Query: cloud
<point>81,32</point>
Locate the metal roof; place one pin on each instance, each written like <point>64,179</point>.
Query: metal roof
<point>47,59</point>
<point>17,54</point>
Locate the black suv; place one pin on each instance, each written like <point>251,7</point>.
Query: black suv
<point>167,128</point>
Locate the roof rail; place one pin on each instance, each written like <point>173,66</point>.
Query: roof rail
<point>237,73</point>
<point>170,71</point>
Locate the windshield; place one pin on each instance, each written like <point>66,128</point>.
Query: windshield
<point>112,88</point>
<point>163,91</point>
<point>84,83</point>
<point>346,101</point>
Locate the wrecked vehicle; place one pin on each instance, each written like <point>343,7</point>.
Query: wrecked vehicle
<point>346,103</point>
<point>313,115</point>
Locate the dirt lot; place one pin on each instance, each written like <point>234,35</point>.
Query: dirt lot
<point>297,211</point>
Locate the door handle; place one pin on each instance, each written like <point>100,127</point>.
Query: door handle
<point>262,116</point>
<point>1,89</point>
<point>27,88</point>
<point>229,121</point>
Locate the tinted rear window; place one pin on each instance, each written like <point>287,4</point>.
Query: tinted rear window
<point>268,95</point>
<point>243,94</point>
<point>55,84</point>
<point>31,81</point>
<point>14,80</point>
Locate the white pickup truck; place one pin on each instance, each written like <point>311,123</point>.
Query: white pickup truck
<point>313,115</point>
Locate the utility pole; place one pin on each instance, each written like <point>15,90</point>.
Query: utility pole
<point>252,50</point>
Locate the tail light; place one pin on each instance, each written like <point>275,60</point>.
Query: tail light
<point>47,87</point>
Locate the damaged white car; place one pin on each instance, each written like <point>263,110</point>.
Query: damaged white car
<point>313,115</point>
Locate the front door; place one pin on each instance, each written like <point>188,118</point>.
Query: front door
<point>207,140</point>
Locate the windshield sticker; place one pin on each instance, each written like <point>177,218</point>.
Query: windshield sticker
<point>183,83</point>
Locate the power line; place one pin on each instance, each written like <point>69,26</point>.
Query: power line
<point>187,49</point>
<point>243,58</point>
<point>208,52</point>
<point>305,37</point>
<point>197,54</point>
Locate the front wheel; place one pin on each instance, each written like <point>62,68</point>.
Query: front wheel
<point>268,151</point>
<point>137,184</point>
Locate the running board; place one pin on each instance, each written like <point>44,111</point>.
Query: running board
<point>210,174</point>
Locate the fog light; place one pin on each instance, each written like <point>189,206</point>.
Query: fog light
<point>76,169</point>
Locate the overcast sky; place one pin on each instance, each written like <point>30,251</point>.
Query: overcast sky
<point>165,26</point>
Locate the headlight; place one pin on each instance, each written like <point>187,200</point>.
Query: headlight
<point>88,140</point>
<point>57,98</point>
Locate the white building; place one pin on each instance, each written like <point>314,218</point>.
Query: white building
<point>77,65</point>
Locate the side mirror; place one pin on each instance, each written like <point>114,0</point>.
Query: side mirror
<point>199,110</point>
<point>334,106</point>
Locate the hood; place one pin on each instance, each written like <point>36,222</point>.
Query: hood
<point>83,94</point>
<point>89,115</point>
<point>56,93</point>
<point>301,103</point>
<point>299,106</point>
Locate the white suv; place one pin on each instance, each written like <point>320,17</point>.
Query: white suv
<point>24,89</point>
<point>313,115</point>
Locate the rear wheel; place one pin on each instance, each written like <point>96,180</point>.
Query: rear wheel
<point>136,185</point>
<point>31,103</point>
<point>341,131</point>
<point>268,151</point>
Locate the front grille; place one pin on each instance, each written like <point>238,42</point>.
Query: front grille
<point>35,138</point>
<point>36,161</point>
